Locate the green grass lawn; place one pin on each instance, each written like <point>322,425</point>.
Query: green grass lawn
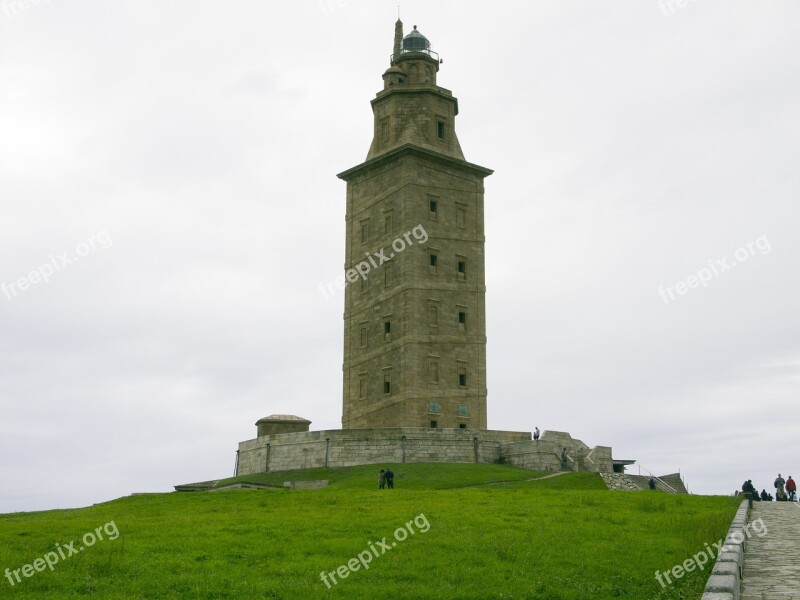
<point>560,538</point>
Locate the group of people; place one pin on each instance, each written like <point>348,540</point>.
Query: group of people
<point>785,490</point>
<point>386,479</point>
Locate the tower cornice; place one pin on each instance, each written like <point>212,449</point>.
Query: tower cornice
<point>413,150</point>
<point>420,88</point>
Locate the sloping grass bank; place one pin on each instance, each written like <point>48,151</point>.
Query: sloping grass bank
<point>552,539</point>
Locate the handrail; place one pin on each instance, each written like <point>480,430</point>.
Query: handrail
<point>656,477</point>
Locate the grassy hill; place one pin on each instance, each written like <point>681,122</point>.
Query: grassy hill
<point>445,532</point>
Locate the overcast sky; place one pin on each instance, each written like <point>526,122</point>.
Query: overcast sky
<point>169,208</point>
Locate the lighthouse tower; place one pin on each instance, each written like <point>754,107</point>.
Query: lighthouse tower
<point>414,314</point>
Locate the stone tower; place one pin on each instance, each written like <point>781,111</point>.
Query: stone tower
<point>414,316</point>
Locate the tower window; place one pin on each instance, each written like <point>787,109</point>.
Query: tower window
<point>433,373</point>
<point>362,336</point>
<point>434,264</point>
<point>387,330</point>
<point>362,387</point>
<point>462,321</point>
<point>463,410</point>
<point>462,425</point>
<point>387,223</point>
<point>388,273</point>
<point>433,407</point>
<point>461,216</point>
<point>462,269</point>
<point>365,231</point>
<point>434,424</point>
<point>440,128</point>
<point>433,208</point>
<point>462,377</point>
<point>387,384</point>
<point>433,315</point>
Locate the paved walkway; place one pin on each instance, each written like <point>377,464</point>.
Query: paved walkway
<point>557,474</point>
<point>771,561</point>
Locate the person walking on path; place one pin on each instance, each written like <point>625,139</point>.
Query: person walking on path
<point>389,479</point>
<point>381,479</point>
<point>779,482</point>
<point>791,487</point>
<point>536,433</point>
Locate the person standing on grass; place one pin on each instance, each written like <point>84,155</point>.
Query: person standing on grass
<point>389,479</point>
<point>652,483</point>
<point>381,479</point>
<point>791,487</point>
<point>779,481</point>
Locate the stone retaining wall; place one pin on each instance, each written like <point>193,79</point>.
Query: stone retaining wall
<point>351,447</point>
<point>725,582</point>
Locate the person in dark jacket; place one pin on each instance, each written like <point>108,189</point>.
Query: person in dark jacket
<point>764,495</point>
<point>389,479</point>
<point>750,491</point>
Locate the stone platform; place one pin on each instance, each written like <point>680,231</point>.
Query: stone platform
<point>554,451</point>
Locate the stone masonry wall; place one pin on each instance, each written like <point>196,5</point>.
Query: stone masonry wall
<point>346,448</point>
<point>548,454</point>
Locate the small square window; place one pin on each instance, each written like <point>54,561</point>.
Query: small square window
<point>434,260</point>
<point>434,424</point>
<point>462,425</point>
<point>463,410</point>
<point>434,407</point>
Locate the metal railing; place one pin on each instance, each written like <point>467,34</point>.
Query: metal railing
<point>657,478</point>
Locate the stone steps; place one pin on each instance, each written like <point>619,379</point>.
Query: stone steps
<point>771,561</point>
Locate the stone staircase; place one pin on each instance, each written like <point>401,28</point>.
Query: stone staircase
<point>635,483</point>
